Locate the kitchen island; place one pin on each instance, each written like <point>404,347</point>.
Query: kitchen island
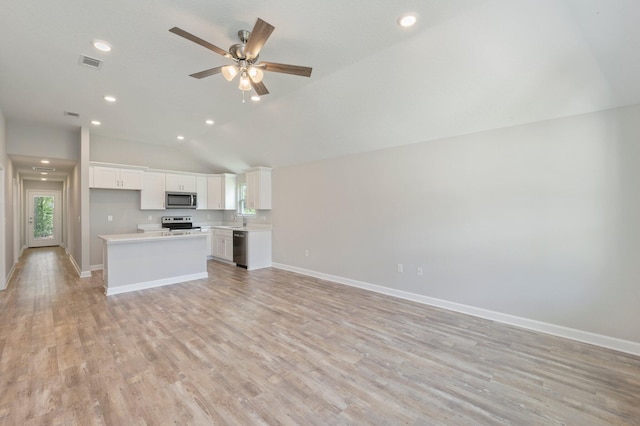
<point>139,261</point>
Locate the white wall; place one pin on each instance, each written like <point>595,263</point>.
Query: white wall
<point>5,249</point>
<point>119,151</point>
<point>8,253</point>
<point>41,140</point>
<point>538,221</point>
<point>74,228</point>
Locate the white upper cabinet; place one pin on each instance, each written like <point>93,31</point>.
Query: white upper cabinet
<point>201,190</point>
<point>259,188</point>
<point>152,194</point>
<point>180,183</point>
<point>221,192</point>
<point>109,177</point>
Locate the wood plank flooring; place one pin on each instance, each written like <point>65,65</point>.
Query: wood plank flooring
<point>273,347</point>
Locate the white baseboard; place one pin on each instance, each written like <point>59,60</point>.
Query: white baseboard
<point>10,275</point>
<point>79,271</point>
<point>614,343</point>
<point>109,291</point>
<point>96,267</point>
<point>5,284</point>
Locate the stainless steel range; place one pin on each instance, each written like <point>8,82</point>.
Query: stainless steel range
<point>179,223</point>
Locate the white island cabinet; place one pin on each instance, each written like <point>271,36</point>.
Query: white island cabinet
<point>139,261</point>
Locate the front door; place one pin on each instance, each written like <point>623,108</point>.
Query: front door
<point>43,218</point>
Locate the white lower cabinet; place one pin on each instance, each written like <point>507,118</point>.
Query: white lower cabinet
<point>258,249</point>
<point>222,244</point>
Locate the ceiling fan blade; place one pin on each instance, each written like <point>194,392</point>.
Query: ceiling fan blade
<point>201,42</point>
<point>207,73</point>
<point>286,69</point>
<point>258,37</point>
<point>260,88</point>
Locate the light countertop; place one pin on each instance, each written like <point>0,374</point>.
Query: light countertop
<point>252,227</point>
<point>150,236</point>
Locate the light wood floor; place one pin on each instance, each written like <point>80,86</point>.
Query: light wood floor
<point>273,347</point>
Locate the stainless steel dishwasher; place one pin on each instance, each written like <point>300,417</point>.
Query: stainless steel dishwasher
<point>240,244</point>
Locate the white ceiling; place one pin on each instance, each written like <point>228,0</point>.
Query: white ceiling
<point>467,66</point>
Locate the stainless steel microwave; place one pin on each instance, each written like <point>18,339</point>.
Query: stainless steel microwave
<point>181,200</point>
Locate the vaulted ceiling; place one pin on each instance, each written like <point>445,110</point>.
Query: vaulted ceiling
<point>466,66</point>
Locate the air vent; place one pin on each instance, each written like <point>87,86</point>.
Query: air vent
<point>43,169</point>
<point>90,62</point>
<point>72,114</point>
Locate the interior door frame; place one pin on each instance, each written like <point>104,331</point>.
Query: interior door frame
<point>57,216</point>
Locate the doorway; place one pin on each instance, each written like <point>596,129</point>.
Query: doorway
<point>43,218</point>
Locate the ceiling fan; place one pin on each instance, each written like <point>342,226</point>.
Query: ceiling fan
<point>245,55</point>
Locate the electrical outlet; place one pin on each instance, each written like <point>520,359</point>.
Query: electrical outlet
<point>109,218</point>
<point>419,270</point>
<point>400,268</point>
<point>306,253</point>
<point>149,218</point>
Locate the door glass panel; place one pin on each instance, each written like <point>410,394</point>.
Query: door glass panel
<point>43,217</point>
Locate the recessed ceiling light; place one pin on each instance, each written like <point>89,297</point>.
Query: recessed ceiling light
<point>43,178</point>
<point>44,173</point>
<point>180,137</point>
<point>407,20</point>
<point>45,161</point>
<point>209,122</point>
<point>255,98</point>
<point>101,45</point>
<point>109,98</point>
<point>95,122</point>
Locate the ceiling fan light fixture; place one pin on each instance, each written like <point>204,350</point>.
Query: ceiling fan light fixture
<point>229,72</point>
<point>256,74</point>
<point>245,83</point>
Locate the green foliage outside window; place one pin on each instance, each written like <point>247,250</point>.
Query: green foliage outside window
<point>43,217</point>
